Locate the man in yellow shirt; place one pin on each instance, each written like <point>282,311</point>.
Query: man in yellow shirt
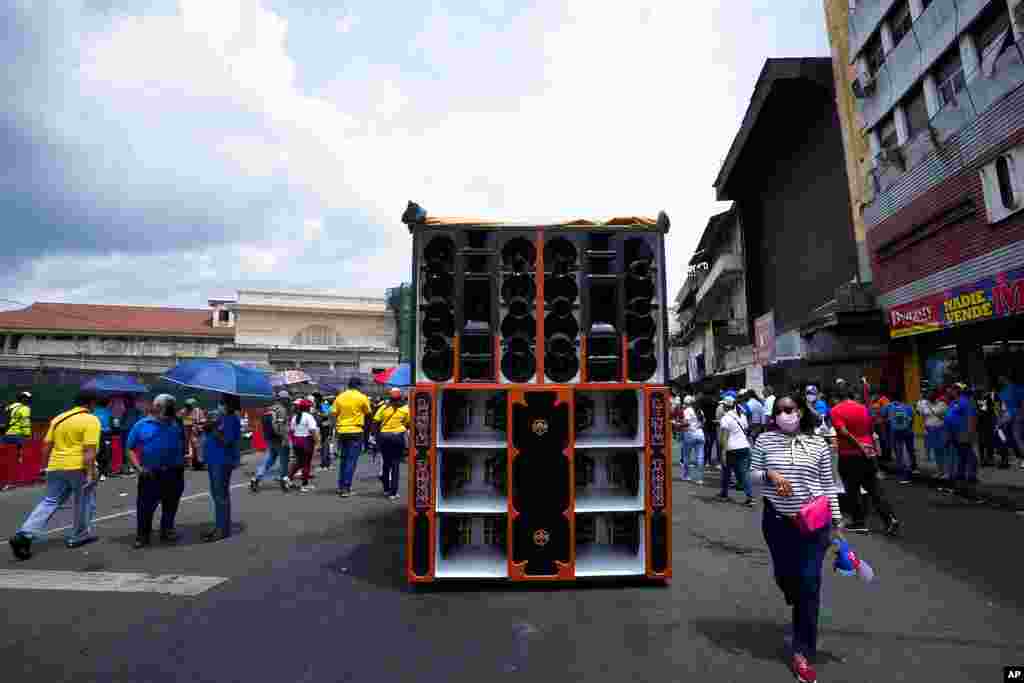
<point>19,422</point>
<point>70,451</point>
<point>350,409</point>
<point>392,420</point>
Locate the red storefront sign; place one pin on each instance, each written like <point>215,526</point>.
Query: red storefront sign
<point>992,297</point>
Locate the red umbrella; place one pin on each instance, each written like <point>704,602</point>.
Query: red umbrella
<point>383,376</point>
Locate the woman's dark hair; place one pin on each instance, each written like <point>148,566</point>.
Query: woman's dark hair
<point>85,397</point>
<point>232,403</point>
<point>808,422</point>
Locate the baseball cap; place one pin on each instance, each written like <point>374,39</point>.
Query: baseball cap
<point>282,394</point>
<point>729,400</point>
<point>688,399</point>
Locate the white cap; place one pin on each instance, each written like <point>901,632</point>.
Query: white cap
<point>688,399</point>
<point>729,401</point>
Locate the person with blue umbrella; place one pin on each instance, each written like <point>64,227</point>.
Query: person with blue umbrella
<point>221,440</point>
<point>222,432</point>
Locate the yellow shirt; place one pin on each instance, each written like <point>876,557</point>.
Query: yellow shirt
<point>71,437</point>
<point>351,408</point>
<point>21,420</point>
<point>393,420</point>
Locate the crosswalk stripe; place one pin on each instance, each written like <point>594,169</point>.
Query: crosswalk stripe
<point>107,582</point>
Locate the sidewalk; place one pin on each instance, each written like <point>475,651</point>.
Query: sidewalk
<point>1002,488</point>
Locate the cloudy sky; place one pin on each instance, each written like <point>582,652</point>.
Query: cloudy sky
<point>165,152</point>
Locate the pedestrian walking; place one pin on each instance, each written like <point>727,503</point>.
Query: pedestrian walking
<point>733,441</point>
<point>350,409</point>
<point>928,409</point>
<point>962,424</point>
<point>693,441</point>
<point>221,440</point>
<point>799,500</point>
<point>105,453</point>
<point>707,406</point>
<point>1011,394</point>
<point>769,406</point>
<point>18,418</point>
<point>305,437</point>
<point>879,403</point>
<point>858,468</point>
<point>156,448</point>
<point>392,421</point>
<point>69,448</point>
<point>274,424</point>
<point>755,410</point>
<point>321,411</point>
<point>985,402</point>
<point>900,417</point>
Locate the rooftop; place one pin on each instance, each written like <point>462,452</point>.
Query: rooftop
<point>113,319</point>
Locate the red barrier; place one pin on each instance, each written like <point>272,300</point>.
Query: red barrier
<point>116,453</point>
<point>13,473</point>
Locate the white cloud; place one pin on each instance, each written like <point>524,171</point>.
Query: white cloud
<point>627,113</point>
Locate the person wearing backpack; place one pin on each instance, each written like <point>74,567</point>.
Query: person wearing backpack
<point>17,422</point>
<point>275,430</point>
<point>901,434</point>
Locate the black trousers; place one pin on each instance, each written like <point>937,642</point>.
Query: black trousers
<point>857,471</point>
<point>162,487</point>
<point>105,453</point>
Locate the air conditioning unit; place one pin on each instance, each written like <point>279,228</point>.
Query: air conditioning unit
<point>863,86</point>
<point>892,156</point>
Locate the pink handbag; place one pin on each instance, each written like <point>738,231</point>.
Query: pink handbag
<point>814,515</point>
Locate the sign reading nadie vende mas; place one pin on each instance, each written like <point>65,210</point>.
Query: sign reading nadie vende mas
<point>993,297</point>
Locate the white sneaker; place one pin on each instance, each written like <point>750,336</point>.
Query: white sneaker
<point>306,489</point>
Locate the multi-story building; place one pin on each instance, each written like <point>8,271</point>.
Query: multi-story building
<point>322,333</point>
<point>711,311</point>
<point>809,312</point>
<point>939,98</point>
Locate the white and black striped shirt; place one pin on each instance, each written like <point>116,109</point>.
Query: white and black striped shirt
<point>806,463</point>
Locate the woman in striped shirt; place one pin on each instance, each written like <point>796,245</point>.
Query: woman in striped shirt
<point>796,466</point>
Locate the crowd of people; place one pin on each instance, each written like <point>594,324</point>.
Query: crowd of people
<point>161,445</point>
<point>795,443</point>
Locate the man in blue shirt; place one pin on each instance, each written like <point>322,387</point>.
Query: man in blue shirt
<point>755,409</point>
<point>156,447</point>
<point>105,452</point>
<point>961,422</point>
<point>900,417</point>
<point>1012,397</point>
<point>221,440</point>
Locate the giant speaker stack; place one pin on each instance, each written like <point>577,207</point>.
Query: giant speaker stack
<point>540,440</point>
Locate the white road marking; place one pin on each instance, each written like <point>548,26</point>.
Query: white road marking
<point>129,513</point>
<point>107,582</point>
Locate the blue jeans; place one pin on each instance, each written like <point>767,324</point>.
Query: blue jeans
<point>220,494</point>
<point>935,444</point>
<point>351,447</point>
<point>693,443</point>
<point>796,562</point>
<point>737,461</point>
<point>275,452</point>
<point>903,447</point>
<point>61,485</point>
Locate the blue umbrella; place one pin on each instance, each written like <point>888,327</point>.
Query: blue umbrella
<point>115,384</point>
<point>222,377</point>
<point>401,377</point>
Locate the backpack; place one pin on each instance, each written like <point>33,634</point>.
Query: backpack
<point>5,417</point>
<point>899,420</point>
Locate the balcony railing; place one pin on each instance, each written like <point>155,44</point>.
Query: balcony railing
<point>726,266</point>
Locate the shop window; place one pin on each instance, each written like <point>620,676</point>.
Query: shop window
<point>949,76</point>
<point>917,112</point>
<point>900,22</point>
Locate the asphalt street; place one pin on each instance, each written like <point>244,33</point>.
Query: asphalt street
<point>315,591</point>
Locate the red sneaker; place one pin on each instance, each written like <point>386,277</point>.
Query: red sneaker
<point>803,670</point>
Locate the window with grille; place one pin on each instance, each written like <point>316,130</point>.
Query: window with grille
<point>916,109</point>
<point>900,22</point>
<point>949,76</point>
<point>317,335</point>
